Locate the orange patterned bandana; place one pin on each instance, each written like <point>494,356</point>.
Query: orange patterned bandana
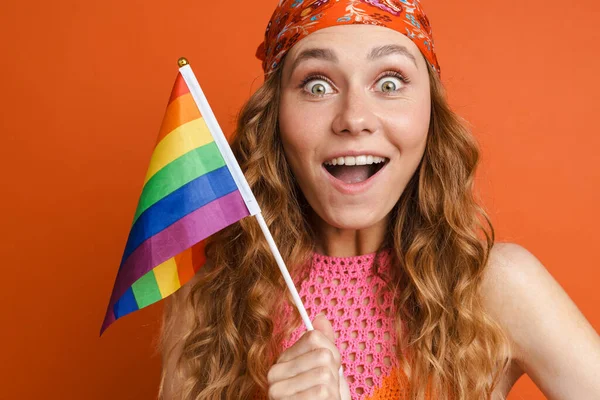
<point>295,19</point>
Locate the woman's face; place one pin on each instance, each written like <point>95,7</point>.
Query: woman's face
<point>359,95</point>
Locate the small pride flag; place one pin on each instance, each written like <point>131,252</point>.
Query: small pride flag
<point>194,187</point>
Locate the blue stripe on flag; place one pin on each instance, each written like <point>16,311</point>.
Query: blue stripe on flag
<point>126,304</point>
<point>178,204</point>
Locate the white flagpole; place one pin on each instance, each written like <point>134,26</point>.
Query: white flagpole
<point>217,133</point>
<point>240,179</point>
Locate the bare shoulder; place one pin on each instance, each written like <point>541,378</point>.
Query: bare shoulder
<point>504,260</point>
<point>550,338</point>
<point>510,267</point>
<point>516,285</point>
<point>509,261</point>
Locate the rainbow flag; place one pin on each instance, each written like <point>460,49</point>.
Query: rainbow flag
<point>194,187</point>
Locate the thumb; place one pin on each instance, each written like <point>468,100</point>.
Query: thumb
<point>322,324</point>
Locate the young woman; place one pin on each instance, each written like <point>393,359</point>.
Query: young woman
<point>365,176</point>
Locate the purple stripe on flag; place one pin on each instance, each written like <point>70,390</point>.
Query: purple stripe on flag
<point>171,241</point>
<point>109,318</point>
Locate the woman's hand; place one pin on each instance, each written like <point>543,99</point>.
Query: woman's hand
<point>309,369</point>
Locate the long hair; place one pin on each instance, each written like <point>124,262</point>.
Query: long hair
<point>440,240</point>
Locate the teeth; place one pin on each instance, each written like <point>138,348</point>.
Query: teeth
<point>358,160</point>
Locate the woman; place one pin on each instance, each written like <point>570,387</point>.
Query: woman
<point>365,178</point>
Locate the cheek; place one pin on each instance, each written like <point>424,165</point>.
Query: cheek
<point>291,134</point>
<point>295,138</point>
<point>410,129</point>
<point>301,120</point>
<point>302,128</point>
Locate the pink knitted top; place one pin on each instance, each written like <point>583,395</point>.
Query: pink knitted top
<point>359,308</point>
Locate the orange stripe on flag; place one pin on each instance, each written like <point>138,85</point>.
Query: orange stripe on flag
<point>181,111</point>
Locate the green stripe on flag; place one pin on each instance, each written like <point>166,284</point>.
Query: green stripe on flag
<point>178,173</point>
<point>146,290</point>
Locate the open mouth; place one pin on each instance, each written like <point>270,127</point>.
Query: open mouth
<point>355,173</point>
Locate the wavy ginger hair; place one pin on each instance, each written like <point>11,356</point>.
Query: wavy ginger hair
<point>440,241</point>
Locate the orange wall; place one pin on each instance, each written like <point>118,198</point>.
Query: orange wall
<point>84,86</point>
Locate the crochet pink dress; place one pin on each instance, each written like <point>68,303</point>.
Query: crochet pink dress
<point>359,308</point>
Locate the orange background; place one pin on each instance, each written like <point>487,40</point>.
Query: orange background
<point>84,87</point>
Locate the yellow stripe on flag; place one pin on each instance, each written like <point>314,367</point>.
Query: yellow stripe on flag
<point>180,141</point>
<point>167,277</point>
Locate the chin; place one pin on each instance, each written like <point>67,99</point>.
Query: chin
<point>352,218</point>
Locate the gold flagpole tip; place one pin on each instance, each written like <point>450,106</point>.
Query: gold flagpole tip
<point>182,62</point>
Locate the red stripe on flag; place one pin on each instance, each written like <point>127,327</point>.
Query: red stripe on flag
<point>179,88</point>
<point>189,262</point>
<point>198,255</point>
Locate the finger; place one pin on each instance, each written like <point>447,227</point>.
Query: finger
<point>319,392</point>
<point>321,357</point>
<point>322,324</point>
<point>320,377</point>
<point>308,342</point>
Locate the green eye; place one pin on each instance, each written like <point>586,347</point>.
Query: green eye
<point>391,82</point>
<point>318,89</point>
<point>389,86</point>
<point>317,86</point>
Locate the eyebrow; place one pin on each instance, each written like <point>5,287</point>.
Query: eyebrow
<point>318,54</point>
<point>388,49</point>
<point>374,54</point>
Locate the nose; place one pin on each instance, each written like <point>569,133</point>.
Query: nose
<point>355,115</point>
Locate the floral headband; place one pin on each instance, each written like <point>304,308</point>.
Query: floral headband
<point>295,19</point>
